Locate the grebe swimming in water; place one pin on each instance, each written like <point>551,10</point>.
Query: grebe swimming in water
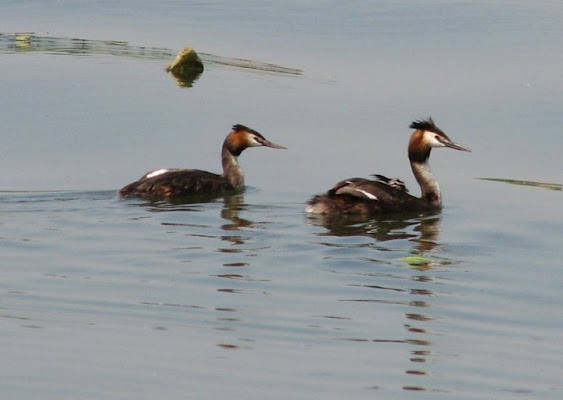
<point>162,184</point>
<point>384,195</point>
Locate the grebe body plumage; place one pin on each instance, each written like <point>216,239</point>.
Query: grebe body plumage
<point>168,183</point>
<point>385,195</point>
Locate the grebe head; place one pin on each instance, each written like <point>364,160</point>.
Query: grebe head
<point>426,136</point>
<point>242,137</point>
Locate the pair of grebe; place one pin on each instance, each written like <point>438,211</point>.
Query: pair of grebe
<point>350,196</point>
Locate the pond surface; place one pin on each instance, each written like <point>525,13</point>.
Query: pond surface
<point>246,296</point>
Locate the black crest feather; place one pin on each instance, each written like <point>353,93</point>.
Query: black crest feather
<point>426,125</point>
<point>240,127</point>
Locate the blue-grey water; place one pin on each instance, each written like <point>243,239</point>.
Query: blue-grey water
<point>247,297</point>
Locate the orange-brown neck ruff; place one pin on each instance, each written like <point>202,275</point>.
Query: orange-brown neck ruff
<point>418,150</point>
<point>236,142</point>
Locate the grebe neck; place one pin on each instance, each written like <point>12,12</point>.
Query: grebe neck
<point>232,171</point>
<point>428,185</point>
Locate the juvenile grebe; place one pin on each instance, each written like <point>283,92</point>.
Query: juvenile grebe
<point>170,183</point>
<point>384,195</point>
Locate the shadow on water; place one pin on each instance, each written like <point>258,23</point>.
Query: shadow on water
<point>223,251</point>
<point>233,205</point>
<point>389,275</point>
<point>187,77</point>
<point>422,229</point>
<point>193,202</point>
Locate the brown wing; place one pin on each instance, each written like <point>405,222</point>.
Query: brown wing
<point>176,183</point>
<point>386,193</point>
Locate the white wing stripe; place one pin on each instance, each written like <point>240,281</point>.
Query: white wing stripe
<point>367,194</point>
<point>156,172</point>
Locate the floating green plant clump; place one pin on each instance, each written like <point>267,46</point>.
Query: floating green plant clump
<point>416,260</point>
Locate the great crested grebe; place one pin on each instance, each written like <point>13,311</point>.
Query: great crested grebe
<point>167,183</point>
<point>384,195</point>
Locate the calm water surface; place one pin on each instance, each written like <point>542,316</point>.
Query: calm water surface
<point>246,296</point>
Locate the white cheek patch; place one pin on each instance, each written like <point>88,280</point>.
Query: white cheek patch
<point>156,172</point>
<point>252,142</point>
<point>431,139</point>
<point>367,194</point>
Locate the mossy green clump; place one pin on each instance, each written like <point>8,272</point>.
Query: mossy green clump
<point>186,68</point>
<point>416,260</point>
<point>23,37</point>
<point>187,61</point>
